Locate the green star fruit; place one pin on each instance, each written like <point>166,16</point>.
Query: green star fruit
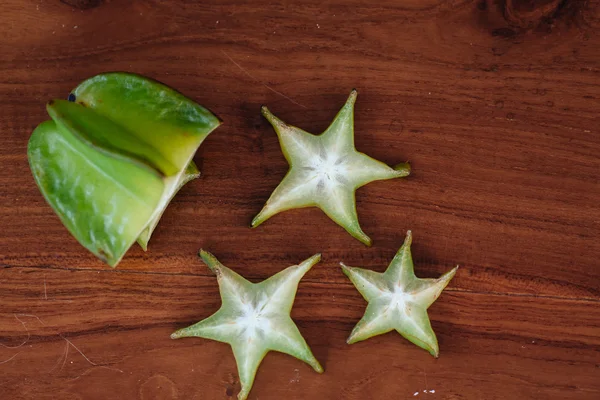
<point>398,300</point>
<point>325,171</point>
<point>254,318</point>
<point>114,155</point>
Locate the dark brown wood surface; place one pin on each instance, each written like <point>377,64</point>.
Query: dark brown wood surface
<point>494,103</point>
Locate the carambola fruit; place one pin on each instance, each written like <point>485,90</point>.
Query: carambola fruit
<point>325,171</point>
<point>114,155</point>
<point>254,318</point>
<point>398,300</point>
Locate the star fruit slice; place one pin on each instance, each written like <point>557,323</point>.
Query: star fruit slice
<point>114,156</point>
<point>325,171</point>
<point>398,300</point>
<point>254,318</point>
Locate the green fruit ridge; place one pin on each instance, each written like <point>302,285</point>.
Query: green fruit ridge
<point>112,157</point>
<point>398,300</point>
<point>254,318</point>
<point>325,171</point>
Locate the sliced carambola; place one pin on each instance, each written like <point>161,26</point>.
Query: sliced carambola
<point>325,171</point>
<point>103,200</point>
<point>107,136</point>
<point>398,300</point>
<point>158,116</point>
<point>114,156</point>
<point>254,318</point>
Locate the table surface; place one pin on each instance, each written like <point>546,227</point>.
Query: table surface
<point>494,104</point>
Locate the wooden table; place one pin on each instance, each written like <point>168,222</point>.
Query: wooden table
<point>496,109</point>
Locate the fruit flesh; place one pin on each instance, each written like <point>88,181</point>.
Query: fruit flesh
<point>254,318</point>
<point>172,186</point>
<point>325,171</point>
<point>397,300</point>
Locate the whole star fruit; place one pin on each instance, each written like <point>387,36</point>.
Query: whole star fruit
<point>325,171</point>
<point>112,157</point>
<point>254,318</point>
<point>397,300</point>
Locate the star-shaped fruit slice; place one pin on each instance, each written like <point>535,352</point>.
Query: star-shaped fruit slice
<point>325,171</point>
<point>254,318</point>
<point>398,300</point>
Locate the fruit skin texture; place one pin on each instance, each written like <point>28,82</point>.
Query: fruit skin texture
<point>325,171</point>
<point>254,318</point>
<point>114,155</point>
<point>398,300</point>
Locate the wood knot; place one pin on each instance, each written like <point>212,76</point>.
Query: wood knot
<point>529,14</point>
<point>82,4</point>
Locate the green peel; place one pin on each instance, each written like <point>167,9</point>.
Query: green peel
<point>254,318</point>
<point>398,300</point>
<point>103,201</point>
<point>325,171</point>
<point>112,158</point>
<point>154,113</point>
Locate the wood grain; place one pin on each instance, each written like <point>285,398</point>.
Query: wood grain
<point>494,103</point>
